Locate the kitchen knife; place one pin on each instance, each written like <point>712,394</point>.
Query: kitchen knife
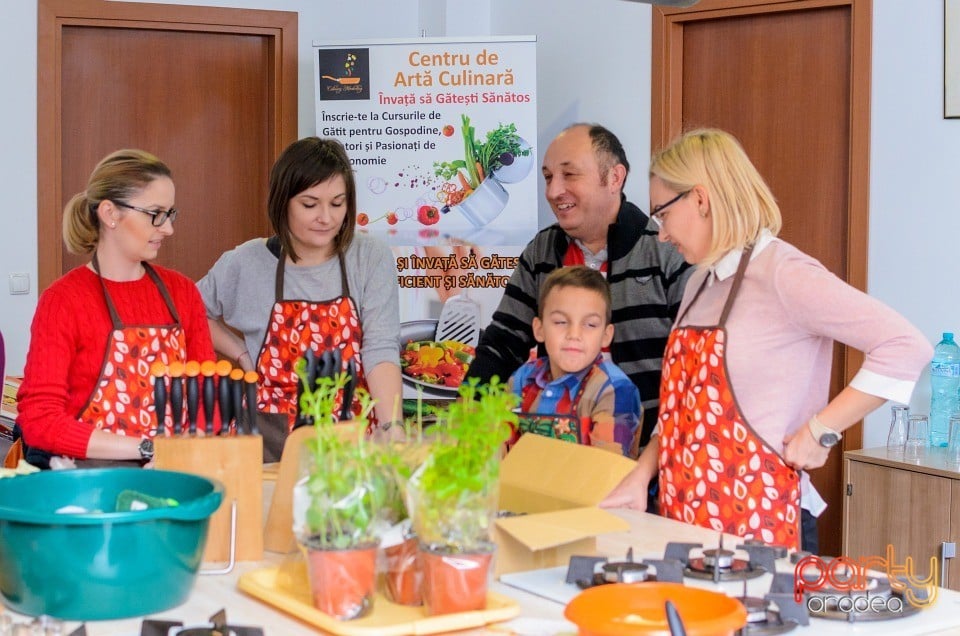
<point>326,365</point>
<point>346,411</point>
<point>223,394</point>
<point>337,362</point>
<point>159,371</point>
<point>208,369</point>
<point>193,395</point>
<point>176,395</point>
<point>250,381</point>
<point>236,394</point>
<point>312,366</point>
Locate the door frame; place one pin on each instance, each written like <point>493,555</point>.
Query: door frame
<point>666,120</point>
<point>279,27</point>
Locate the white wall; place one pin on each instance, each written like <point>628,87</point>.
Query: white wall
<point>914,169</point>
<point>593,64</point>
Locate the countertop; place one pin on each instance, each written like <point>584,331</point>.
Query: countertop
<point>934,461</point>
<point>648,536</point>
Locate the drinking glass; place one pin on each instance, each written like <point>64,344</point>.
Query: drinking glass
<point>918,438</point>
<point>898,429</point>
<point>953,445</point>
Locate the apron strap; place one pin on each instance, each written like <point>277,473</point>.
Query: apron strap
<point>164,293</point>
<point>278,277</point>
<point>737,279</point>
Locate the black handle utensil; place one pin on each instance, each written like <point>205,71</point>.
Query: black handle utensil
<point>209,369</point>
<point>223,395</point>
<point>250,384</point>
<point>336,362</point>
<point>346,411</point>
<point>673,620</point>
<point>159,373</point>
<point>236,396</point>
<point>326,365</point>
<point>193,396</point>
<point>176,400</point>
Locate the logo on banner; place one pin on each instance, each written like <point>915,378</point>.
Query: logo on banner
<point>344,74</point>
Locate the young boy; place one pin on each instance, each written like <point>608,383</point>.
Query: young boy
<point>574,393</point>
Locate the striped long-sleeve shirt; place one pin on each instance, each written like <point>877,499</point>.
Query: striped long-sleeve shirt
<point>646,284</point>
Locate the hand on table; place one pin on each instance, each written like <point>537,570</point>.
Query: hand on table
<point>631,492</point>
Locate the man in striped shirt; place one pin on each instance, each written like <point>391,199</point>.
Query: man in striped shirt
<point>584,169</point>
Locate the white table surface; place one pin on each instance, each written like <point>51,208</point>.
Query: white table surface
<point>648,536</point>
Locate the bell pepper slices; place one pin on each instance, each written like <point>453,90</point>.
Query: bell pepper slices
<point>442,363</point>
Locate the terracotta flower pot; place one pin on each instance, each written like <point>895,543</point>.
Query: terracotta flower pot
<point>343,581</point>
<point>454,582</point>
<point>404,576</point>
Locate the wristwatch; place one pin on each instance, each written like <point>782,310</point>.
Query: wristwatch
<point>146,449</point>
<point>826,437</point>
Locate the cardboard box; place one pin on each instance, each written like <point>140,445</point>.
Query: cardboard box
<point>556,485</point>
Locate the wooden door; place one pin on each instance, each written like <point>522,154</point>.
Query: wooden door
<point>791,81</point>
<point>212,92</point>
<point>891,506</point>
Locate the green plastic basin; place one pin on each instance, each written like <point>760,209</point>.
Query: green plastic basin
<point>101,565</point>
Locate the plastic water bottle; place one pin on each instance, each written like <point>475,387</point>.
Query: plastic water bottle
<point>944,384</point>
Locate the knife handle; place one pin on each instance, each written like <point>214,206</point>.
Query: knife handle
<point>176,395</point>
<point>250,379</point>
<point>209,369</point>
<point>193,395</point>
<point>336,362</point>
<point>159,372</point>
<point>346,410</point>
<point>236,397</point>
<point>223,393</point>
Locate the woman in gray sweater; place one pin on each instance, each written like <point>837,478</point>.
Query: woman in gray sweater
<point>315,284</point>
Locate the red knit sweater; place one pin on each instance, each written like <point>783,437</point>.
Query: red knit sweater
<point>68,341</point>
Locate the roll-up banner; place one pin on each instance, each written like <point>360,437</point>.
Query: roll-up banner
<point>441,134</point>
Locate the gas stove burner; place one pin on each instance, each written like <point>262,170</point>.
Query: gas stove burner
<point>718,564</point>
<point>878,601</point>
<point>722,559</point>
<point>763,618</point>
<point>624,572</point>
<point>736,570</point>
<point>588,572</point>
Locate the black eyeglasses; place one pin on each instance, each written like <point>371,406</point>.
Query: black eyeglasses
<point>658,213</point>
<point>159,216</point>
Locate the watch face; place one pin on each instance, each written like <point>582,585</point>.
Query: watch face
<point>829,440</point>
<point>146,449</point>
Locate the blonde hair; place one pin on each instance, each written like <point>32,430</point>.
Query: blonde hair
<point>118,177</point>
<point>741,203</point>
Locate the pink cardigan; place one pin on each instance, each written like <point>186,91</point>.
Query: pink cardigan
<point>781,330</point>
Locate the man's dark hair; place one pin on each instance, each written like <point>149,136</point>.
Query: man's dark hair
<point>609,150</point>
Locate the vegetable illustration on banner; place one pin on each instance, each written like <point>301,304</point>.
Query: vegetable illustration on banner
<point>441,133</point>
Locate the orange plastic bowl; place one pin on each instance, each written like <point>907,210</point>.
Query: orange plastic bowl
<point>631,609</point>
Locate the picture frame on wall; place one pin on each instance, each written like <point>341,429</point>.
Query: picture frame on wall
<point>951,59</point>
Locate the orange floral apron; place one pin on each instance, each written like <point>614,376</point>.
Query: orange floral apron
<point>715,470</point>
<point>122,401</point>
<point>296,325</point>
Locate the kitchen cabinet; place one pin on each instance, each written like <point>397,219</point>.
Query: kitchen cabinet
<point>912,506</point>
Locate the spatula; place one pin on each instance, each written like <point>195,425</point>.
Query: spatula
<point>459,320</point>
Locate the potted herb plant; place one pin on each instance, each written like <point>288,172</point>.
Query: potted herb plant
<point>453,497</point>
<point>402,574</point>
<point>343,497</point>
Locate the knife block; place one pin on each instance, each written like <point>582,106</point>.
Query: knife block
<point>237,463</point>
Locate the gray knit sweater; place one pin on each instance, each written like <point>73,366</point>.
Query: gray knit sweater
<point>239,288</point>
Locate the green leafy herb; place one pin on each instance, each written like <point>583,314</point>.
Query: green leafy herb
<point>455,492</point>
<point>347,482</point>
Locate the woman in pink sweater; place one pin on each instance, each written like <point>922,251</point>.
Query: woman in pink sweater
<point>86,392</point>
<point>744,393</point>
